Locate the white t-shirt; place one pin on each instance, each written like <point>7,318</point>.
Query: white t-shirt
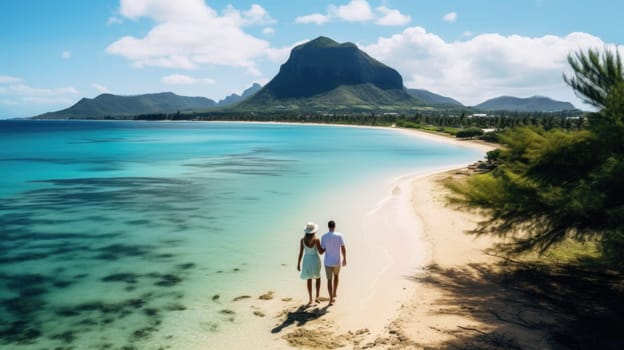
<point>331,242</point>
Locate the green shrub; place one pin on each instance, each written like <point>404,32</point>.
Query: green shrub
<point>469,132</point>
<point>490,137</point>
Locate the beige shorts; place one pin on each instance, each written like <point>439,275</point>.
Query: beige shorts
<point>330,271</point>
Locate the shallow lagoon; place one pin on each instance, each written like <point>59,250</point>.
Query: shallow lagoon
<point>128,234</point>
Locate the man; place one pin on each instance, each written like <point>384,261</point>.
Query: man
<point>333,244</point>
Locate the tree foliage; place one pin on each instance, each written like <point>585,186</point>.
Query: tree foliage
<point>469,132</point>
<point>556,184</point>
<point>595,75</point>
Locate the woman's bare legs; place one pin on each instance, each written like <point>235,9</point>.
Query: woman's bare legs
<point>318,289</point>
<point>310,291</point>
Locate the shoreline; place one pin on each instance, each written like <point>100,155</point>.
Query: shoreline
<point>377,293</point>
<point>384,317</point>
<point>388,243</point>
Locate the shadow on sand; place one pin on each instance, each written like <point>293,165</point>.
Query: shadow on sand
<point>531,306</point>
<point>301,316</point>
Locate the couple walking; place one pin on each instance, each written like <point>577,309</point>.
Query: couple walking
<point>332,245</point>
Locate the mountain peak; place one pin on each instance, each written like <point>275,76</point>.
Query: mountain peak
<point>321,41</point>
<point>322,64</point>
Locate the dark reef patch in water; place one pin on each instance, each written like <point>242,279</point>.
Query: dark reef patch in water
<point>137,222</point>
<point>151,312</point>
<point>67,337</point>
<point>62,284</point>
<point>22,307</point>
<point>174,307</point>
<point>31,292</point>
<point>69,226</point>
<point>118,251</point>
<point>168,280</point>
<point>186,266</point>
<point>20,332</point>
<point>126,277</point>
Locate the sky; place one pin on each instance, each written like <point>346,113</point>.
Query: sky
<point>55,52</point>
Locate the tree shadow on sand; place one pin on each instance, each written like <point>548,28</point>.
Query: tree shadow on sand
<point>530,306</point>
<point>300,316</point>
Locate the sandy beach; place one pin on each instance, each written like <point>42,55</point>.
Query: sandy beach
<point>414,280</point>
<point>386,295</point>
<point>429,289</point>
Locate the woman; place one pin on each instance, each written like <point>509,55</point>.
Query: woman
<point>309,249</point>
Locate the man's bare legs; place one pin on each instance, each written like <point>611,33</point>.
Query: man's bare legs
<point>332,287</point>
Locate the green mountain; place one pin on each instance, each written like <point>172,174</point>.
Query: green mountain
<point>530,104</point>
<point>433,99</point>
<point>108,105</point>
<point>323,75</point>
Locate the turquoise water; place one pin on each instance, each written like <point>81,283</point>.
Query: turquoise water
<point>111,230</point>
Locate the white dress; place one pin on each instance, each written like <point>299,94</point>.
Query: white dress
<point>311,265</point>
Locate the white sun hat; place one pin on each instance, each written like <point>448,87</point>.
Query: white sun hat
<point>310,227</point>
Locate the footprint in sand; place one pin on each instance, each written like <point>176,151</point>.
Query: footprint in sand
<point>241,297</point>
<point>266,296</point>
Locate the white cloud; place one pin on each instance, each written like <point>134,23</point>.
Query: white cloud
<point>114,20</point>
<point>189,34</point>
<point>100,88</point>
<point>391,17</point>
<point>18,94</point>
<point>357,11</point>
<point>66,55</point>
<point>46,100</point>
<point>20,99</point>
<point>181,79</point>
<point>5,79</point>
<point>256,15</point>
<point>280,55</point>
<point>315,18</point>
<point>268,31</point>
<point>16,86</point>
<point>450,17</point>
<point>354,11</point>
<point>468,33</point>
<point>485,66</point>
<point>25,90</point>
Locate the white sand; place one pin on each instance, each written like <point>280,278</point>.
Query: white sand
<point>399,236</point>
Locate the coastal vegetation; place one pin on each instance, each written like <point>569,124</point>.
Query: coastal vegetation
<point>556,184</point>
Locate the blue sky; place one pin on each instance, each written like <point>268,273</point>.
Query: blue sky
<point>55,52</point>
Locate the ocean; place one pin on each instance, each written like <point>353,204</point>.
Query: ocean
<point>118,234</point>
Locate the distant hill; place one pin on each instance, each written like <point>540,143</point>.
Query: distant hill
<point>530,104</point>
<point>108,105</point>
<point>325,75</point>
<point>431,98</point>
<point>235,98</point>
